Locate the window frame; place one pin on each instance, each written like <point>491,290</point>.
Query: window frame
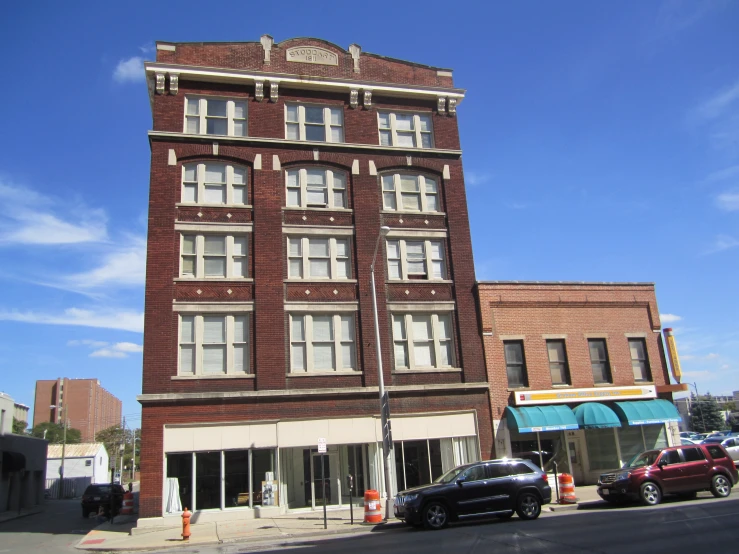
<point>331,188</point>
<point>522,365</point>
<point>333,257</point>
<point>203,114</point>
<point>393,130</point>
<point>200,184</point>
<point>564,364</point>
<point>644,365</point>
<point>428,258</point>
<point>422,192</point>
<point>408,341</point>
<point>200,255</point>
<point>338,342</point>
<point>198,342</point>
<point>327,125</point>
<point>606,361</point>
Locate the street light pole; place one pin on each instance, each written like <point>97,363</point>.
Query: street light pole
<point>63,412</point>
<point>384,400</point>
<point>697,400</point>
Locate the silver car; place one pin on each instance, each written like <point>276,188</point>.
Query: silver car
<point>731,444</point>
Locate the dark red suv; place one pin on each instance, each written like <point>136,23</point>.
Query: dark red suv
<point>681,470</point>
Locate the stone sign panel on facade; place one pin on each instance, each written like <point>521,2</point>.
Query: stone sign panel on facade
<point>311,54</point>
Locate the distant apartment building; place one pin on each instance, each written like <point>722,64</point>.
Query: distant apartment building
<point>84,403</point>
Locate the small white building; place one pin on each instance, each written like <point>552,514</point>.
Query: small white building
<point>80,460</point>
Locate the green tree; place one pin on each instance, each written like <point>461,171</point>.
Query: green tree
<point>55,433</point>
<point>113,437</point>
<point>705,414</point>
<point>19,426</point>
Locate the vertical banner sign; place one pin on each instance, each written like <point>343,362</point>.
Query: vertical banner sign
<point>677,373</point>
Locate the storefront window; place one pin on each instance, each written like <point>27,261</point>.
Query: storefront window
<point>631,441</point>
<point>263,462</point>
<point>179,467</point>
<point>601,444</point>
<point>420,462</point>
<point>655,436</point>
<point>236,477</point>
<point>207,480</point>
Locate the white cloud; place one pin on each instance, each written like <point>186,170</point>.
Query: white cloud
<point>722,174</point>
<point>32,218</point>
<point>107,350</point>
<point>87,342</point>
<point>723,242</point>
<point>728,201</point>
<point>108,353</point>
<point>516,205</point>
<point>130,70</point>
<point>711,356</point>
<point>718,104</point>
<point>128,347</point>
<point>124,320</point>
<point>670,318</point>
<point>475,178</point>
<point>123,265</point>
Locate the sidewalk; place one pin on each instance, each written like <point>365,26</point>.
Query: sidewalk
<point>117,536</point>
<point>14,514</point>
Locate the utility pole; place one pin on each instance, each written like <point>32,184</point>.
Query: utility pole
<point>133,456</point>
<point>697,400</point>
<point>62,414</point>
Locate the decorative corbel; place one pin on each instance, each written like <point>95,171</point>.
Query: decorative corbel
<point>273,91</point>
<point>267,43</point>
<point>174,83</point>
<point>259,90</point>
<point>160,83</point>
<point>452,106</point>
<point>367,99</point>
<point>441,105</point>
<point>355,50</point>
<point>354,98</point>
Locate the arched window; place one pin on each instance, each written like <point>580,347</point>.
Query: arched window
<point>407,192</point>
<point>315,187</point>
<point>214,183</point>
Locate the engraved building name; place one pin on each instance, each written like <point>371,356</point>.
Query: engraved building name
<point>311,54</point>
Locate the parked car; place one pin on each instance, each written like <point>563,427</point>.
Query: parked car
<point>494,487</point>
<point>96,496</point>
<point>688,442</point>
<point>681,470</point>
<point>731,444</point>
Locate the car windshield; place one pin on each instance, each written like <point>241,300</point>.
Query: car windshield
<point>98,490</point>
<point>714,439</point>
<point>643,459</point>
<point>450,475</point>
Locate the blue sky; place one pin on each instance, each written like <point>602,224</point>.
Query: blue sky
<point>601,142</point>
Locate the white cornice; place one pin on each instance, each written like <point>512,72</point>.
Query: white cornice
<point>392,150</point>
<point>224,75</point>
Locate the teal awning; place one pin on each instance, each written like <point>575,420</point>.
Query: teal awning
<point>540,418</point>
<point>647,412</point>
<point>594,415</point>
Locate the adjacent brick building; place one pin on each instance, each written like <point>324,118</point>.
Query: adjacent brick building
<point>581,364</point>
<point>273,169</point>
<point>84,403</point>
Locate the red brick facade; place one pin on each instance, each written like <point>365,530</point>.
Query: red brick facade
<point>361,158</point>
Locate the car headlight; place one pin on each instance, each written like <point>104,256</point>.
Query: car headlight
<point>623,475</point>
<point>410,498</point>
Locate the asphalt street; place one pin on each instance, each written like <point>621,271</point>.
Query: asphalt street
<point>703,525</point>
<point>55,530</point>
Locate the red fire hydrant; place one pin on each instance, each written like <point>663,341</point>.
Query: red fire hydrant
<point>186,524</point>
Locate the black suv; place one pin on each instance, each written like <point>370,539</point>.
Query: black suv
<point>494,487</point>
<point>99,495</point>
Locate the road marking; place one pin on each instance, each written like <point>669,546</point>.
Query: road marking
<point>705,517</point>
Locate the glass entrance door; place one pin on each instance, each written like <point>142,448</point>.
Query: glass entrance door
<point>324,484</point>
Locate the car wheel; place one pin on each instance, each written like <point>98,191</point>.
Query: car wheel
<point>528,506</point>
<point>720,486</point>
<point>650,494</point>
<point>435,516</point>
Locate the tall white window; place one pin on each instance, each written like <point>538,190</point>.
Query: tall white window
<point>409,193</point>
<point>214,344</point>
<point>315,188</point>
<point>213,183</point>
<point>215,116</point>
<point>423,341</point>
<point>322,342</point>
<point>314,123</point>
<point>415,259</point>
<point>318,257</point>
<point>410,130</point>
<point>213,256</point>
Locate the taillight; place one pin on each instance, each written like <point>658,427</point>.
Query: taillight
<point>544,477</point>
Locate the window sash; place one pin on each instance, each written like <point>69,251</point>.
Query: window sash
<point>410,347</point>
<point>515,364</point>
<point>401,264</point>
<point>300,260</point>
<point>394,197</point>
<point>599,361</point>
<point>200,347</point>
<point>639,360</point>
<point>297,187</point>
<point>234,259</point>
<point>195,188</point>
<point>299,128</point>
<point>197,120</point>
<point>393,132</point>
<point>558,368</point>
<point>312,351</point>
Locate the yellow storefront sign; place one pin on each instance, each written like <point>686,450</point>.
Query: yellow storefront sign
<point>583,395</point>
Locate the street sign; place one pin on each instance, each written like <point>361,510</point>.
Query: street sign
<point>321,445</point>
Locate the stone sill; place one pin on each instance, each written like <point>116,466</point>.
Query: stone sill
<point>421,371</point>
<point>198,377</point>
<point>323,373</point>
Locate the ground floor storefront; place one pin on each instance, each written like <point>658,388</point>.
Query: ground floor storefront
<point>263,467</point>
<point>588,437</point>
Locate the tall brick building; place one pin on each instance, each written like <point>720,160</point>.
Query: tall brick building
<point>578,371</point>
<point>273,169</point>
<point>88,406</point>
